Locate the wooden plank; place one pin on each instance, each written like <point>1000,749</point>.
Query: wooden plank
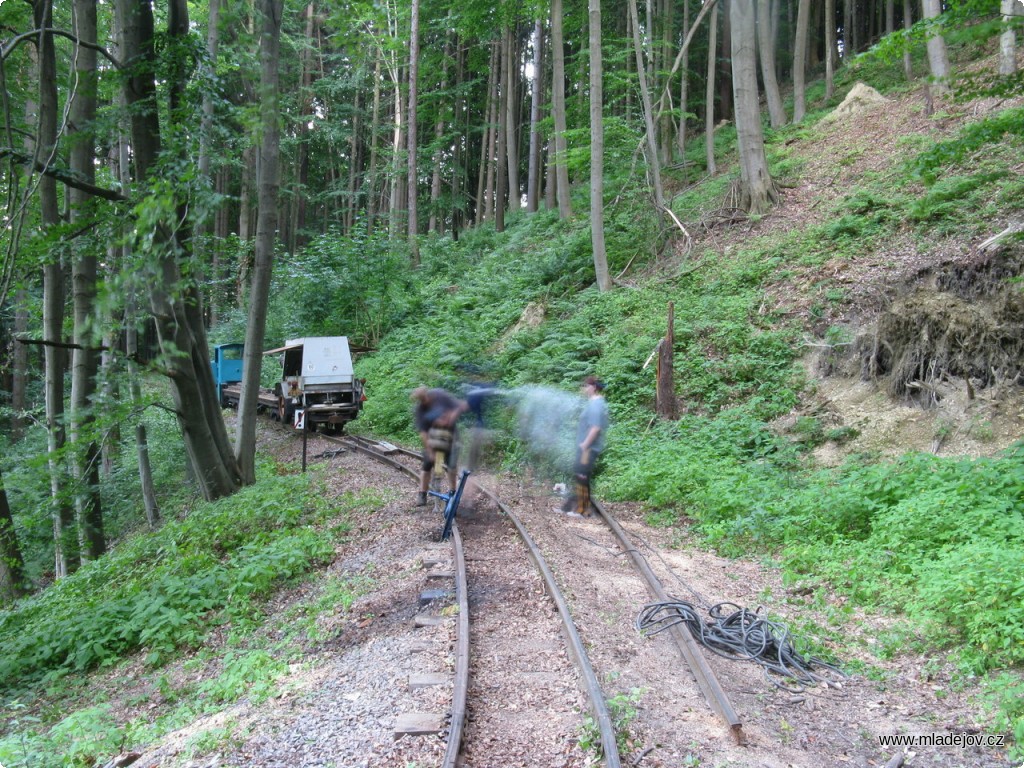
<point>428,680</point>
<point>418,724</point>
<point>428,596</point>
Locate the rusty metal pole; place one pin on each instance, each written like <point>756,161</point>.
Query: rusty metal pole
<point>665,397</point>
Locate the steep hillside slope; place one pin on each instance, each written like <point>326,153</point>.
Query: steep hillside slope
<point>915,333</point>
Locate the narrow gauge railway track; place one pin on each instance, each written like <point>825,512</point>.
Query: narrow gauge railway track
<point>685,645</point>
<point>613,597</point>
<point>527,649</point>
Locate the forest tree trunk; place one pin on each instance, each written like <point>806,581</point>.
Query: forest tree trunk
<point>757,191</point>
<point>175,300</point>
<point>19,373</point>
<point>266,232</point>
<point>200,242</point>
<point>830,49</point>
<point>766,45</point>
<point>558,111</point>
<point>684,86</point>
<point>709,94</point>
<point>938,58</point>
<point>85,359</point>
<point>437,159</point>
<point>412,133</point>
<point>534,167</point>
<point>800,61</point>
<point>65,540</point>
<point>645,96</point>
<point>511,80</point>
<point>908,22</point>
<point>1008,40</point>
<point>371,170</point>
<point>597,148</point>
<point>12,565</point>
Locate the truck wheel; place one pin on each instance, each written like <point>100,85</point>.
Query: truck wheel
<point>285,411</point>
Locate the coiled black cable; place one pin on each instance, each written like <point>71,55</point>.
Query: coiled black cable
<point>739,633</point>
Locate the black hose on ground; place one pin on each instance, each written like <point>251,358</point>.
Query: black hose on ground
<point>739,633</point>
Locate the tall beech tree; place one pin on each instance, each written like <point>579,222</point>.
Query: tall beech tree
<point>19,366</point>
<point>175,299</point>
<point>85,358</point>
<point>536,96</point>
<point>66,551</point>
<point>597,149</point>
<point>266,233</point>
<point>830,48</point>
<point>412,129</point>
<point>1008,40</point>
<point>766,48</point>
<point>558,111</point>
<point>800,59</point>
<point>653,157</point>
<point>709,94</point>
<point>756,190</point>
<point>938,57</point>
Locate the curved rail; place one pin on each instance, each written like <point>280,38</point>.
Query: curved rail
<point>685,643</point>
<point>592,686</point>
<point>460,686</point>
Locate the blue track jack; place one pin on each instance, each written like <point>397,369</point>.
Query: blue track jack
<point>451,504</point>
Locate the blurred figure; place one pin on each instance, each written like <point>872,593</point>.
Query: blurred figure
<point>479,398</point>
<point>546,419</point>
<point>435,415</point>
<point>590,441</point>
<point>478,402</point>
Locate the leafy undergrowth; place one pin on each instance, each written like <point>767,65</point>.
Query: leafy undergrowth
<point>154,602</point>
<point>161,591</point>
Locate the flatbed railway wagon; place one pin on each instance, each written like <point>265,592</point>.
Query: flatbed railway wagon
<point>318,388</point>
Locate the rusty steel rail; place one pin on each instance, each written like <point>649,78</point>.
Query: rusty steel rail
<point>685,643</point>
<point>362,445</point>
<point>592,687</point>
<point>460,686</point>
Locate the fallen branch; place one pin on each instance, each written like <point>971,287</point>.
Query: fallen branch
<point>1015,227</point>
<point>679,224</point>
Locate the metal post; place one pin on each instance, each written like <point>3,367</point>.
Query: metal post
<point>305,432</point>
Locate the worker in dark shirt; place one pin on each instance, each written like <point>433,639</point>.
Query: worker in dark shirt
<point>435,415</point>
